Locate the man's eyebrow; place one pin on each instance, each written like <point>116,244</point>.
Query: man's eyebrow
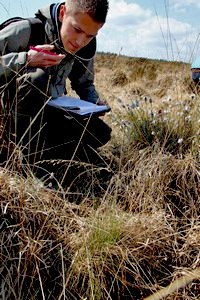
<point>89,35</point>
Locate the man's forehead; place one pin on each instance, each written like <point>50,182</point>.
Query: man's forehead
<point>85,23</point>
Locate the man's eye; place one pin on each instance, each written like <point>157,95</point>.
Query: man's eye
<point>77,29</point>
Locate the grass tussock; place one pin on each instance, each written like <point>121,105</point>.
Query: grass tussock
<point>128,228</point>
<point>33,223</point>
<point>172,126</point>
<point>142,235</point>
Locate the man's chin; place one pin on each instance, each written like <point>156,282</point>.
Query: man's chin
<point>72,50</point>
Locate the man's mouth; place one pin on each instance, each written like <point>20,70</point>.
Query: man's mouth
<point>72,47</point>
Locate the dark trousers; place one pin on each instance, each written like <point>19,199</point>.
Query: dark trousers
<point>41,131</point>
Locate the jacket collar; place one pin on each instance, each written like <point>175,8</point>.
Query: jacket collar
<point>49,16</point>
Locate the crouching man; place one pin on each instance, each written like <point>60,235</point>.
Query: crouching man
<point>64,47</point>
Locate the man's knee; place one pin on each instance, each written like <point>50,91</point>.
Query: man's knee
<point>32,91</point>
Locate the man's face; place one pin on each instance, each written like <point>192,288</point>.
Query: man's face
<point>77,29</point>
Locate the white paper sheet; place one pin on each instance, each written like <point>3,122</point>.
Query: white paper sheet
<point>78,106</point>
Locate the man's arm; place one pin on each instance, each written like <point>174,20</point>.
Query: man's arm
<point>82,80</point>
<point>15,53</point>
<point>13,43</point>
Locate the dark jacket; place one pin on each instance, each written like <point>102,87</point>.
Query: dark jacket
<point>14,42</point>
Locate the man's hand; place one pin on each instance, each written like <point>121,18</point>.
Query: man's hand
<point>42,56</point>
<point>101,102</point>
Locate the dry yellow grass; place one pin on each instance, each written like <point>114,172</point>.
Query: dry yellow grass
<point>125,230</point>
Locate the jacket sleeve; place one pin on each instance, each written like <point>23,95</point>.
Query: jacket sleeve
<point>82,80</point>
<point>13,44</point>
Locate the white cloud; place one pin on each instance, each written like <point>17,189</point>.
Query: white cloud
<point>180,4</point>
<point>123,13</point>
<point>134,31</point>
<point>162,37</point>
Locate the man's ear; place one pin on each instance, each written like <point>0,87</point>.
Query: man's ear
<point>61,12</point>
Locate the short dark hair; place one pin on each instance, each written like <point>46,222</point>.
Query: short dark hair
<point>96,9</point>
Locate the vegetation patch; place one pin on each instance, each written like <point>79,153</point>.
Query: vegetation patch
<point>125,227</point>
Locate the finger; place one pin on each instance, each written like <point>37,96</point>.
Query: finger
<point>45,47</point>
<point>101,102</point>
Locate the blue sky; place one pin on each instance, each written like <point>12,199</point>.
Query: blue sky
<point>162,29</point>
